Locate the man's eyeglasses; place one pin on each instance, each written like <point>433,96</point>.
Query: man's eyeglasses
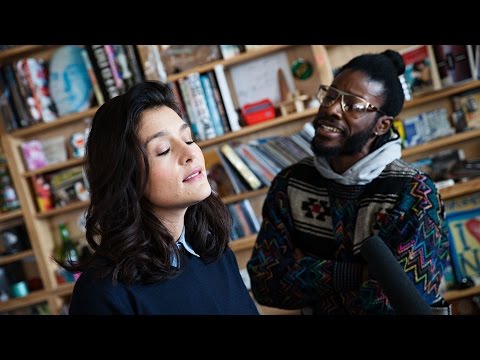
<point>352,105</point>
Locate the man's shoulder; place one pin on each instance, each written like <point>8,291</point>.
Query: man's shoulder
<point>401,168</point>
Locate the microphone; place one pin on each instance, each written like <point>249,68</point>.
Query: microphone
<point>400,290</point>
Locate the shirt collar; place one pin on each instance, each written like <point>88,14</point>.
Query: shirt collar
<point>181,242</point>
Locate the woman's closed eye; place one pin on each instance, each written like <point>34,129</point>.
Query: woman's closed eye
<point>164,152</point>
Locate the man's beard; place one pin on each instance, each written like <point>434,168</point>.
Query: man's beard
<point>351,145</point>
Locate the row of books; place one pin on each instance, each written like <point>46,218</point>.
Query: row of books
<point>34,90</point>
<point>113,69</point>
<point>424,127</point>
<point>244,220</point>
<point>237,167</point>
<point>25,95</point>
<point>206,103</point>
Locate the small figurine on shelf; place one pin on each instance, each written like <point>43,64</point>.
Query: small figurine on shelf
<point>291,102</point>
<point>295,103</point>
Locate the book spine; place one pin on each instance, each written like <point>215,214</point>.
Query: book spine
<point>252,180</point>
<point>102,70</point>
<point>117,77</point>
<point>237,184</point>
<point>134,63</point>
<point>37,73</point>
<point>232,114</point>
<point>179,100</point>
<point>252,219</point>
<point>20,106</point>
<point>212,105</point>
<point>200,104</point>
<point>218,101</point>
<point>93,79</point>
<point>9,114</point>
<point>197,131</point>
<point>24,85</point>
<point>252,164</point>
<point>122,64</point>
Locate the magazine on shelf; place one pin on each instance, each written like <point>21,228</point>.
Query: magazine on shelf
<point>421,73</point>
<point>463,220</point>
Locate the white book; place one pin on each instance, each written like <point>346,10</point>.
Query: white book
<point>227,97</point>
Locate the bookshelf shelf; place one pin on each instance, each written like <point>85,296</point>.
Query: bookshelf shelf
<point>440,94</point>
<point>245,195</point>
<point>7,259</point>
<point>249,55</point>
<point>64,120</point>
<point>460,189</point>
<point>62,210</point>
<point>442,143</point>
<point>11,215</point>
<point>251,129</point>
<point>22,51</point>
<point>64,289</point>
<point>243,243</point>
<point>56,166</point>
<point>459,294</point>
<point>31,299</point>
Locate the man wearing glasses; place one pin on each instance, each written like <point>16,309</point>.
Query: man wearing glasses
<point>318,212</point>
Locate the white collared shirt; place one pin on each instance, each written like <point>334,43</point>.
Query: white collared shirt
<point>182,242</point>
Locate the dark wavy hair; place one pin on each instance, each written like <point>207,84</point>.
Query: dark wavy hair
<point>121,226</point>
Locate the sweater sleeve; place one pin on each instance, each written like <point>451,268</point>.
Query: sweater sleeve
<point>282,278</point>
<point>418,235</point>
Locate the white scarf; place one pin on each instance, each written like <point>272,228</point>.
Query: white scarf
<point>364,170</point>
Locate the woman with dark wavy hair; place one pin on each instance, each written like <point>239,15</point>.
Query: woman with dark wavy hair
<point>159,234</point>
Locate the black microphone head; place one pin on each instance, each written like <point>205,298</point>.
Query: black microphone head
<point>400,290</point>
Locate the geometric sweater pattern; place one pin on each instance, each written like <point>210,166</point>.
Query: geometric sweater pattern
<point>307,251</point>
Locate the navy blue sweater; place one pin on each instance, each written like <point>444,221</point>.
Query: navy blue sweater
<point>214,288</point>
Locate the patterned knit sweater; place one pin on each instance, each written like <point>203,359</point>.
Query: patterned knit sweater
<point>307,251</point>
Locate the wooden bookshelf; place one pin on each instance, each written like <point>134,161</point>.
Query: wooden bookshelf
<point>10,215</point>
<point>441,143</point>
<point>243,243</point>
<point>64,209</point>
<point>33,298</point>
<point>440,94</point>
<point>61,121</point>
<point>251,129</point>
<point>246,195</point>
<point>460,189</point>
<point>8,259</point>
<point>62,290</point>
<point>56,166</point>
<point>22,51</point>
<point>460,294</point>
<point>237,59</point>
